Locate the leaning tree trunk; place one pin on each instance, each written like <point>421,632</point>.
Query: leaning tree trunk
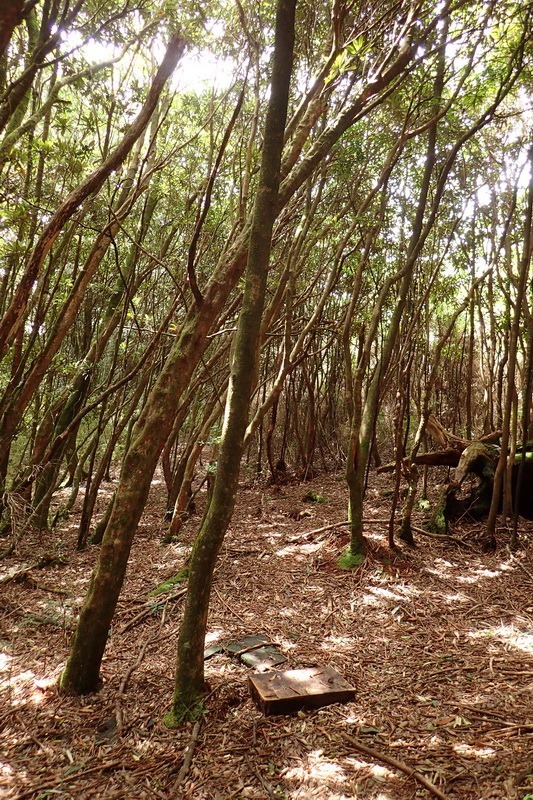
<point>189,686</point>
<point>155,423</point>
<point>13,317</point>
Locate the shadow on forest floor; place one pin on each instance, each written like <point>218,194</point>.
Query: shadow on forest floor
<point>438,643</point>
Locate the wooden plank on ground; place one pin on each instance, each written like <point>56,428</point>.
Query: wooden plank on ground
<point>290,690</point>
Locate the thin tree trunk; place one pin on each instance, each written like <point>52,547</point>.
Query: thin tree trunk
<point>14,315</point>
<point>365,413</point>
<point>189,686</point>
<point>155,422</point>
<point>211,414</point>
<point>489,540</point>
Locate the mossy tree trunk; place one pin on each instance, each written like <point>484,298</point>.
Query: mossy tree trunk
<point>156,421</point>
<point>81,674</point>
<point>189,685</point>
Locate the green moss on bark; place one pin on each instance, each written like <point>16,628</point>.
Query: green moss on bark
<point>181,714</point>
<point>349,560</point>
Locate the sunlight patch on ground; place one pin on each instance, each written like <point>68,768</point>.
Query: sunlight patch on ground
<point>287,612</point>
<point>317,768</point>
<point>11,777</point>
<point>353,719</point>
<point>479,753</point>
<point>20,688</point>
<point>296,550</point>
<point>447,569</point>
<point>442,568</point>
<point>377,771</point>
<point>337,642</point>
<point>457,597</point>
<point>508,634</point>
<point>514,637</point>
<point>483,572</point>
<point>371,600</point>
<point>16,686</point>
<point>5,660</point>
<point>104,493</point>
<point>6,575</point>
<point>376,595</point>
<point>214,636</point>
<point>6,770</point>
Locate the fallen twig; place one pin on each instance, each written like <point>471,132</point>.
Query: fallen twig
<point>124,682</point>
<point>45,588</point>
<point>393,762</point>
<point>187,759</point>
<point>252,647</point>
<point>19,574</point>
<point>229,608</point>
<point>336,525</point>
<point>444,536</point>
<point>150,608</point>
<point>318,530</point>
<point>51,787</point>
<point>519,564</point>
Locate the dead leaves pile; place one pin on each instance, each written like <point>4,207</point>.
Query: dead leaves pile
<point>438,642</point>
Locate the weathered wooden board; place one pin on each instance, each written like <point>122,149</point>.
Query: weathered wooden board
<point>293,689</point>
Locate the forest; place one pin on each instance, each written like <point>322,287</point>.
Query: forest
<point>266,399</point>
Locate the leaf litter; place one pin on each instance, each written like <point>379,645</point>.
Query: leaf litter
<point>438,642</point>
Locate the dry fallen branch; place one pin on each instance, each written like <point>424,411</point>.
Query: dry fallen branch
<point>444,536</point>
<point>316,531</point>
<point>393,762</point>
<point>51,787</point>
<point>129,672</point>
<point>150,608</point>
<point>187,759</point>
<point>325,528</point>
<point>20,575</point>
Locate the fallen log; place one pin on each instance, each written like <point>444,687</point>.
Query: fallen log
<point>451,447</point>
<point>479,461</point>
<point>436,458</point>
<point>447,440</point>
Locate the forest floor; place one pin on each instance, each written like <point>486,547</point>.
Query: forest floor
<point>437,641</point>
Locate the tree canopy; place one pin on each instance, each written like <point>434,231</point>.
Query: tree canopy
<point>396,263</point>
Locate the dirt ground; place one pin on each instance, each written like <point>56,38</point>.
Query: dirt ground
<point>438,642</point>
